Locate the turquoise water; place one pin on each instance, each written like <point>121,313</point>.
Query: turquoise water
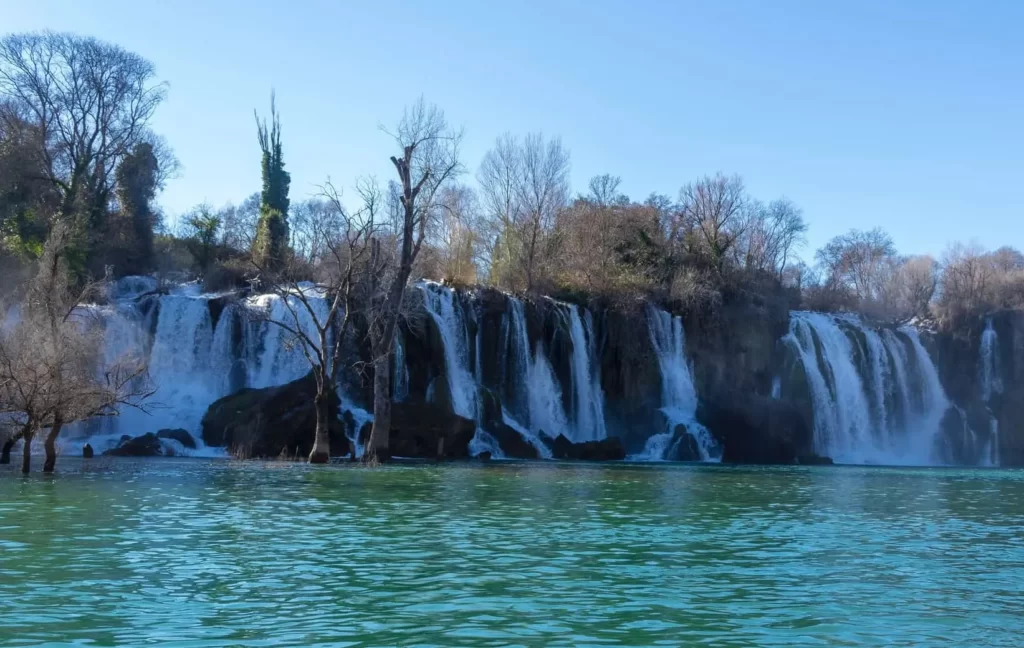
<point>220,553</point>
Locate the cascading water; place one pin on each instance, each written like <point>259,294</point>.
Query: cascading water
<point>516,362</point>
<point>989,365</point>
<point>400,371</point>
<point>678,395</point>
<point>547,415</point>
<point>588,399</point>
<point>876,398</point>
<point>990,372</point>
<point>440,303</point>
<point>190,363</point>
<point>273,356</point>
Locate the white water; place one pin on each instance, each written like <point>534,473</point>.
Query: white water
<point>274,356</point>
<point>678,395</point>
<point>588,398</point>
<point>191,362</point>
<point>516,363</point>
<point>990,372</point>
<point>852,405</point>
<point>547,416</point>
<point>189,365</point>
<point>400,371</point>
<point>990,366</point>
<point>440,304</point>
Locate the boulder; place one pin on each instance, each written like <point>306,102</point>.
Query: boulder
<point>425,430</point>
<point>179,435</point>
<point>757,430</point>
<point>610,449</point>
<point>813,460</point>
<point>512,444</point>
<point>683,446</point>
<point>271,422</point>
<point>88,452</point>
<point>147,445</point>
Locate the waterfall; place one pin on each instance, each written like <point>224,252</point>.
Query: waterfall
<point>440,303</point>
<point>990,374</point>
<point>990,366</point>
<point>588,398</point>
<point>190,362</point>
<point>399,370</point>
<point>273,355</point>
<point>678,395</point>
<point>856,377</point>
<point>516,362</point>
<point>546,412</point>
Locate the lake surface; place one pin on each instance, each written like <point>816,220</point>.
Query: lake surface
<point>220,553</point>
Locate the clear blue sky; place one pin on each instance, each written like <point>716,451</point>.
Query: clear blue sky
<point>907,115</point>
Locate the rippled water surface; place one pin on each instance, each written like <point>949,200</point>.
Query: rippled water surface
<point>220,553</point>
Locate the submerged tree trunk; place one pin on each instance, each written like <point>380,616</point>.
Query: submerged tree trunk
<point>5,452</point>
<point>51,447</point>
<point>377,448</point>
<point>26,455</point>
<point>321,452</point>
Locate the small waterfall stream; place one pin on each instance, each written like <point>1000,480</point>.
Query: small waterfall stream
<point>989,364</point>
<point>990,375</point>
<point>678,395</point>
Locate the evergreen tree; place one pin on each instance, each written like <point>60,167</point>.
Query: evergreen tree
<point>137,182</point>
<point>271,244</point>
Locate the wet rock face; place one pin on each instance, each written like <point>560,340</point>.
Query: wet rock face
<point>958,357</point>
<point>630,376</point>
<point>147,445</point>
<point>610,449</point>
<point>755,429</point>
<point>179,435</point>
<point>423,430</point>
<point>271,422</point>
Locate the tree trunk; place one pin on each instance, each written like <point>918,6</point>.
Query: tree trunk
<point>377,445</point>
<point>321,452</point>
<point>5,452</point>
<point>26,455</point>
<point>51,447</point>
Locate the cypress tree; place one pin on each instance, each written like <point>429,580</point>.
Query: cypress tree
<point>136,187</point>
<point>270,247</point>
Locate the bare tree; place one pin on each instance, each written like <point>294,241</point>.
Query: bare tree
<point>858,262</point>
<point>604,190</point>
<point>713,208</point>
<point>967,279</point>
<point>427,162</point>
<point>453,235</point>
<point>318,317</point>
<point>498,178</point>
<point>543,193</point>
<point>771,235</point>
<point>918,281</point>
<point>238,223</point>
<point>51,373</point>
<point>90,102</point>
